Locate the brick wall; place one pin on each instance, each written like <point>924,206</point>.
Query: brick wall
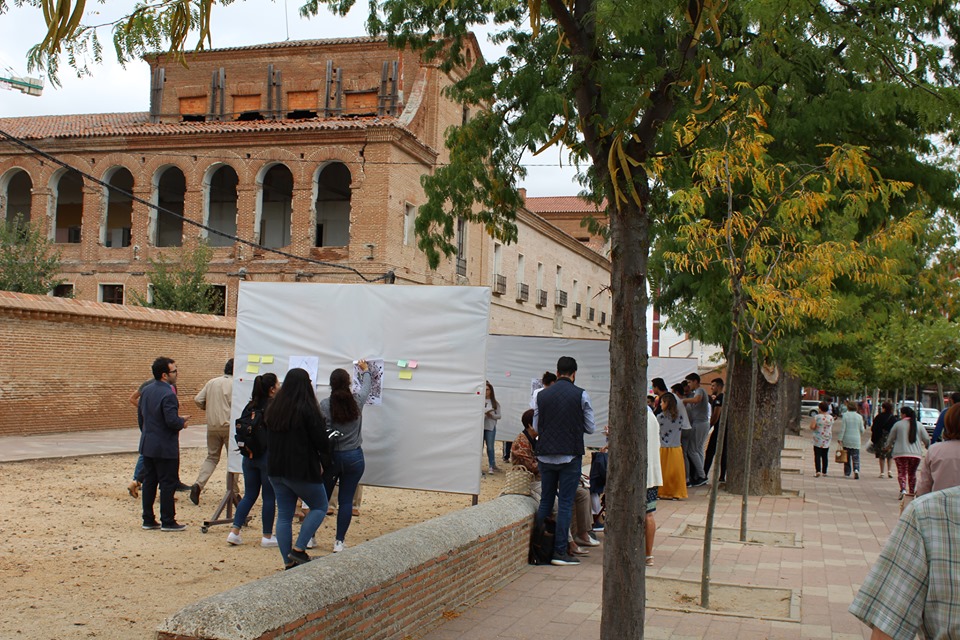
<point>388,587</point>
<point>70,365</point>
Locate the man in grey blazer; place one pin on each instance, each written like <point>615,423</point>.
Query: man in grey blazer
<point>158,414</point>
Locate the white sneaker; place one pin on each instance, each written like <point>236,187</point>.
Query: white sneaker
<point>337,546</point>
<point>312,543</point>
<point>269,542</point>
<point>234,538</point>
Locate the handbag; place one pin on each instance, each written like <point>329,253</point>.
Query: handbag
<point>517,481</point>
<point>841,455</point>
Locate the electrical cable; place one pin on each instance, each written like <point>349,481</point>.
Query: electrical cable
<point>388,277</point>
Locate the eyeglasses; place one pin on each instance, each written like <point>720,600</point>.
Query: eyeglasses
<point>174,371</point>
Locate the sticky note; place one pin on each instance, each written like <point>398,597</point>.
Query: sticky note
<point>406,375</point>
<point>266,360</point>
<point>253,358</point>
<point>401,363</point>
<point>253,368</point>
<point>412,364</point>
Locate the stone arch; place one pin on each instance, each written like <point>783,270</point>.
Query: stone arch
<point>117,224</point>
<point>332,205</point>
<point>220,203</point>
<point>169,188</point>
<point>16,191</point>
<point>274,205</point>
<point>66,188</point>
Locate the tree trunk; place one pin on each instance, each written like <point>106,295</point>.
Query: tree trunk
<point>767,437</point>
<point>791,389</point>
<point>624,589</point>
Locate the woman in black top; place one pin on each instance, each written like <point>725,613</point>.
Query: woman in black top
<point>878,436</point>
<point>297,437</point>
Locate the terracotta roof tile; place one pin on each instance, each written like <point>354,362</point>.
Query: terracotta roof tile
<point>563,204</point>
<point>138,124</point>
<point>290,44</point>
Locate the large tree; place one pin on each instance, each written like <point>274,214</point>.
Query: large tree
<point>29,262</point>
<point>608,80</point>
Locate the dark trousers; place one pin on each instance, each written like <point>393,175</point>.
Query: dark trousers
<point>821,456</point>
<point>712,451</point>
<point>506,450</point>
<point>162,472</point>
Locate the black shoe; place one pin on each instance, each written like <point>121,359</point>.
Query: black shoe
<point>151,526</point>
<point>195,494</point>
<point>298,557</point>
<point>699,483</point>
<point>182,487</point>
<point>564,560</point>
<point>175,526</point>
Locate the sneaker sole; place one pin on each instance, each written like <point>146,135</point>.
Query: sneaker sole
<point>172,529</point>
<point>564,563</point>
<point>149,527</point>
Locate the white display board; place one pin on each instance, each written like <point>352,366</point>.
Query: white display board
<point>426,433</point>
<point>514,361</point>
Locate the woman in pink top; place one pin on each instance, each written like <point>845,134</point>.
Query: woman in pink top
<point>941,468</point>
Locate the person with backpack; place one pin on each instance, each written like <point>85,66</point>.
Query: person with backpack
<point>343,412</point>
<point>906,438</point>
<point>251,439</point>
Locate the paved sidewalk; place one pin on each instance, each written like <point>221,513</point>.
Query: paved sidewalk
<point>842,524</point>
<point>86,443</point>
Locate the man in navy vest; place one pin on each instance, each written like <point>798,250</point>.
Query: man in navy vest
<point>562,415</point>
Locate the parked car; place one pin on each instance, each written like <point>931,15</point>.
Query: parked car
<point>809,407</point>
<point>928,419</point>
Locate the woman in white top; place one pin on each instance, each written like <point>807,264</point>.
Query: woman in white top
<point>491,413</point>
<point>906,439</point>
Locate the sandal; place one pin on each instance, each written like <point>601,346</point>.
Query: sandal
<point>649,561</point>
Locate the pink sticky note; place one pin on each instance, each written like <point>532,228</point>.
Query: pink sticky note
<point>412,364</point>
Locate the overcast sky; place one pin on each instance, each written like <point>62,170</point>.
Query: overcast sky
<point>113,88</point>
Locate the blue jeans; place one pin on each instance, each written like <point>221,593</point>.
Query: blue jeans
<point>853,461</point>
<point>254,479</point>
<point>564,477</point>
<point>138,470</point>
<point>348,467</point>
<point>287,492</point>
<point>490,439</point>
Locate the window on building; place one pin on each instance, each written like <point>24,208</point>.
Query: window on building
<point>222,206</point>
<point>333,206</point>
<point>409,224</point>
<point>119,222</point>
<point>276,204</point>
<point>520,268</point>
<point>69,208</point>
<point>497,258</point>
<point>171,194</point>
<point>220,299</point>
<point>16,197</point>
<point>539,276</point>
<point>461,247</point>
<point>111,293</point>
<point>64,290</point>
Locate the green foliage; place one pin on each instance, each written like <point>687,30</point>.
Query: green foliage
<point>179,283</point>
<point>29,262</point>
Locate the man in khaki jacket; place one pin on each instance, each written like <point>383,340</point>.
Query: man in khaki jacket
<point>214,398</point>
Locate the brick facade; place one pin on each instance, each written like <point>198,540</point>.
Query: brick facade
<point>380,140</point>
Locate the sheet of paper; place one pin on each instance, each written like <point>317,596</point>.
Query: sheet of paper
<point>406,374</point>
<point>308,363</point>
<point>375,366</point>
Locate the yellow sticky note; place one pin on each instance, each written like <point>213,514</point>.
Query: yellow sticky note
<point>253,358</point>
<point>406,375</point>
<point>266,360</point>
<point>253,368</point>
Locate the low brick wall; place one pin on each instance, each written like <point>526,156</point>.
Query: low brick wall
<point>70,365</point>
<point>390,587</point>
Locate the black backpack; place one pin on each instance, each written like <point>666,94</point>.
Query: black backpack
<point>248,425</point>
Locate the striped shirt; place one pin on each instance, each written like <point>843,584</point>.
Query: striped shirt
<point>912,588</point>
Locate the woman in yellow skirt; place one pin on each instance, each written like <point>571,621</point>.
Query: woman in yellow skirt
<point>671,454</point>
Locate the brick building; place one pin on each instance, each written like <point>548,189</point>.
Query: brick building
<point>314,148</point>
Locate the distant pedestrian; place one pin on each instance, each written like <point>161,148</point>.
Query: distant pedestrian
<point>938,428</point>
<point>491,414</point>
<point>908,441</point>
<point>851,428</point>
<point>158,414</point>
<point>822,427</point>
<point>697,404</point>
<point>297,442</point>
<point>215,399</point>
<point>882,425</point>
<point>716,408</point>
<point>670,422</point>
<point>940,469</point>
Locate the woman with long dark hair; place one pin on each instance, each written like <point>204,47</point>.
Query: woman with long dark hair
<point>343,412</point>
<point>882,425</point>
<point>255,466</point>
<point>491,414</point>
<point>906,439</point>
<point>297,440</point>
<point>672,421</point>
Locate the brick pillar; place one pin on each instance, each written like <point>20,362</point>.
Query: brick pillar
<point>302,226</point>
<point>41,212</point>
<point>246,216</point>
<point>140,221</point>
<point>192,210</point>
<point>92,220</point>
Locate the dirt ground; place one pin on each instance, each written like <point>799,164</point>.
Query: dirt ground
<point>75,563</point>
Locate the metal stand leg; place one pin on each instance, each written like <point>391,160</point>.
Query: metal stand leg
<point>230,500</point>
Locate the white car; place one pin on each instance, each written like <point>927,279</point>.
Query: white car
<point>809,407</point>
<point>928,419</point>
